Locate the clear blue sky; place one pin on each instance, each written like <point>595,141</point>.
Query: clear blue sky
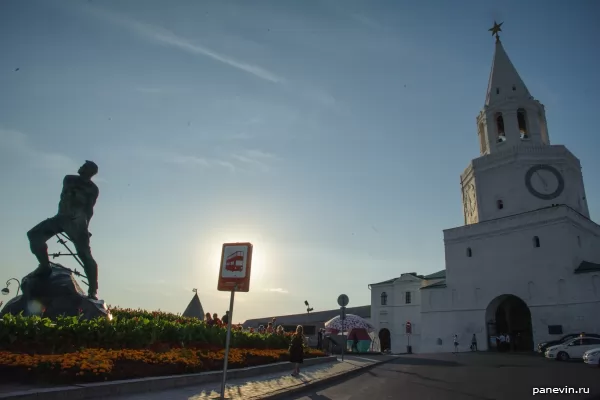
<point>331,134</point>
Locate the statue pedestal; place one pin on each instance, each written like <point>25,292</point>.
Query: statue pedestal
<point>54,295</point>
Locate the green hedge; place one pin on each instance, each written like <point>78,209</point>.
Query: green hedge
<point>129,313</point>
<point>153,331</point>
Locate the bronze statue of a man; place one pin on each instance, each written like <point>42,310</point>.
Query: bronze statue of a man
<point>75,210</point>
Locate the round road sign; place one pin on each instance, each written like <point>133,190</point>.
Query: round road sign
<point>343,300</point>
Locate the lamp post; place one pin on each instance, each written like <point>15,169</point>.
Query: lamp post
<point>308,307</point>
<point>6,290</point>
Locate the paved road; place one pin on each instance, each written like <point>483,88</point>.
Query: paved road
<point>464,376</point>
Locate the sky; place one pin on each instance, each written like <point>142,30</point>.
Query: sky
<point>330,134</point>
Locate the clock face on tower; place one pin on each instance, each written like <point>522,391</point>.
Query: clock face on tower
<point>544,182</point>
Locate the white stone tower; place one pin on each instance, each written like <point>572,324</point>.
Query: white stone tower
<point>518,170</point>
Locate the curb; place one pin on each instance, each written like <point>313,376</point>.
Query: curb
<point>159,383</point>
<point>311,385</point>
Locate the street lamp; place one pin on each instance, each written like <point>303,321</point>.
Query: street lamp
<point>308,307</point>
<point>6,290</point>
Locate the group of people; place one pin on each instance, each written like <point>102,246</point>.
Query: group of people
<point>298,344</point>
<point>503,341</point>
<point>473,346</point>
<point>215,320</point>
<point>270,328</point>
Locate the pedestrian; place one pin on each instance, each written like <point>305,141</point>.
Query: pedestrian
<point>297,350</point>
<point>502,339</point>
<point>326,344</point>
<point>455,344</point>
<point>474,343</point>
<point>320,339</point>
<point>354,338</point>
<point>225,318</point>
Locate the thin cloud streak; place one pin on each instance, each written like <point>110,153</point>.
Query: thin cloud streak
<point>18,143</point>
<point>161,90</point>
<point>255,157</point>
<point>184,160</point>
<point>166,37</point>
<point>277,290</point>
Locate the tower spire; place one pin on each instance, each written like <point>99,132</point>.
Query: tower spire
<point>504,81</point>
<point>495,30</point>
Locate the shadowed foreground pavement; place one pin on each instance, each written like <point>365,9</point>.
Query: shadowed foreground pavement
<point>467,376</point>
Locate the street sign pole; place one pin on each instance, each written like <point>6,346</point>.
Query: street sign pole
<point>343,301</point>
<point>234,276</point>
<point>408,330</point>
<point>227,342</point>
<point>344,341</point>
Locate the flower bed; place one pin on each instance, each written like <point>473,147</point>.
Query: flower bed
<point>92,365</point>
<point>134,344</point>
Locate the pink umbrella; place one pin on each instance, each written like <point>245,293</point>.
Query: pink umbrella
<point>351,321</point>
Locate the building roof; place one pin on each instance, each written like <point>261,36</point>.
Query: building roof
<point>502,78</point>
<point>586,266</point>
<point>385,282</point>
<point>437,275</point>
<point>309,318</point>
<point>436,285</point>
<point>194,309</point>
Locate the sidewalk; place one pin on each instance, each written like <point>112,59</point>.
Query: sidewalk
<point>265,386</point>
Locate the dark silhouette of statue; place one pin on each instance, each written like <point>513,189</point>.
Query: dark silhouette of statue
<point>75,210</point>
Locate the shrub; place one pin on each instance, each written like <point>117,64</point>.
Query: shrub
<point>160,331</point>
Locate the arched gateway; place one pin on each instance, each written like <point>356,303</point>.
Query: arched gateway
<point>509,314</point>
<point>385,339</point>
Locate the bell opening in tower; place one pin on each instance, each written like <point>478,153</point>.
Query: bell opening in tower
<point>500,128</point>
<point>522,121</point>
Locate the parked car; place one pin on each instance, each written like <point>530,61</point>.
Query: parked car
<point>542,347</point>
<point>574,348</point>
<point>592,357</point>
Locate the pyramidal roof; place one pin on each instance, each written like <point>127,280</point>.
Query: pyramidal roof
<point>504,78</point>
<point>194,309</point>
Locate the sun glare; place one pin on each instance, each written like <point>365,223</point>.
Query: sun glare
<point>210,255</point>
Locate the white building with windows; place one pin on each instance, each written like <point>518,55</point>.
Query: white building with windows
<point>526,214</point>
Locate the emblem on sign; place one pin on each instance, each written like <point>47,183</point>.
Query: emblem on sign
<point>236,261</point>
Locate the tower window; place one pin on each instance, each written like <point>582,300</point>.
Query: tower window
<point>497,90</point>
<point>514,88</point>
<point>482,138</point>
<point>407,298</point>
<point>500,127</point>
<point>384,299</point>
<point>579,241</point>
<point>543,129</point>
<point>500,204</point>
<point>522,121</point>
<point>536,241</point>
<point>469,252</point>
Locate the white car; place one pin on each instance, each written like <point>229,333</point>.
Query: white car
<point>573,348</point>
<point>592,357</point>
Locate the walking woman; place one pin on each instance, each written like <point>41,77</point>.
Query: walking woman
<point>297,350</point>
